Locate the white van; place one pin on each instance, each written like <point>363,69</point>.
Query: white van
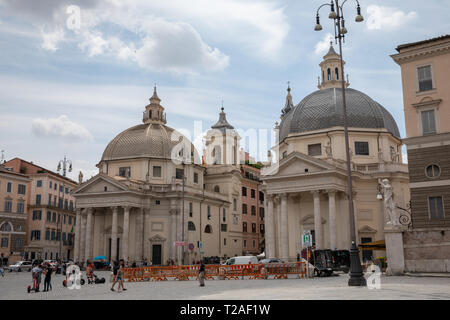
<point>242,260</point>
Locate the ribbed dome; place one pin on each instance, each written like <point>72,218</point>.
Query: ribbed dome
<point>148,140</point>
<point>323,109</point>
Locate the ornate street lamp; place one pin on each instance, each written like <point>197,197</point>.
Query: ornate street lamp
<point>63,164</point>
<point>336,13</point>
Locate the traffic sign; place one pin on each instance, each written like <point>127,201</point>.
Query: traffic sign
<point>191,246</point>
<point>180,243</point>
<point>200,244</point>
<point>307,239</point>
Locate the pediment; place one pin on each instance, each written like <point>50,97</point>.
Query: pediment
<point>367,229</point>
<point>157,238</point>
<point>98,183</point>
<point>297,163</point>
<point>309,219</point>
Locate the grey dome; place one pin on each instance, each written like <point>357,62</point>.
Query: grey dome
<point>148,140</point>
<point>324,109</point>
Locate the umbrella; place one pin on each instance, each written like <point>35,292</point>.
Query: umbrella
<point>100,258</point>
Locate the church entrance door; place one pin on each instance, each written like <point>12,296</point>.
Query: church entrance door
<point>156,254</point>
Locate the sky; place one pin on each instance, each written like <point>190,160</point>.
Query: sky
<point>74,74</point>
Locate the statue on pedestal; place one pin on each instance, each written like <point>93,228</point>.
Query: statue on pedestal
<point>391,216</point>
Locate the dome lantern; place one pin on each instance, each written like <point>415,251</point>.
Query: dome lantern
<point>331,70</point>
<point>154,112</point>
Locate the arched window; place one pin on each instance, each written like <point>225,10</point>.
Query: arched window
<point>6,227</point>
<point>191,226</point>
<point>216,189</point>
<point>336,74</point>
<point>208,229</point>
<point>217,155</point>
<point>150,114</point>
<point>329,74</point>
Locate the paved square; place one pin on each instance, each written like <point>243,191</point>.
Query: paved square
<point>13,286</point>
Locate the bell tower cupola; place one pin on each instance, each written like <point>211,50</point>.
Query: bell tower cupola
<point>154,112</point>
<point>331,71</point>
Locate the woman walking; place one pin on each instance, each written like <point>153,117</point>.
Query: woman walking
<point>48,278</point>
<point>120,276</point>
<point>201,275</point>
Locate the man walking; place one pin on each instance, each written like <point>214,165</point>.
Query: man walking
<point>48,278</point>
<point>201,275</point>
<point>115,269</point>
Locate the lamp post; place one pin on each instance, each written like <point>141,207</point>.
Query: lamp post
<point>336,14</point>
<point>62,164</point>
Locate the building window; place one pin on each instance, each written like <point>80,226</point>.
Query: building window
<point>53,235</point>
<point>223,227</point>
<point>56,186</point>
<point>67,190</point>
<point>329,74</point>
<point>224,213</point>
<point>8,205</point>
<point>18,243</point>
<point>47,234</point>
<point>66,204</point>
<point>336,73</point>
<point>70,220</point>
<point>253,208</point>
<point>253,193</point>
<point>367,255</point>
<point>49,216</point>
<point>38,199</point>
<point>71,206</point>
<point>157,171</point>
<point>191,226</point>
<point>244,226</point>
<point>158,202</point>
<point>254,227</point>
<point>284,154</point>
<point>125,172</point>
<point>315,149</point>
<point>179,173</point>
<point>9,187</point>
<point>39,183</point>
<point>20,207</point>
<point>6,227</point>
<point>261,213</point>
<point>436,205</point>
<point>254,243</point>
<point>195,177</point>
<point>208,229</point>
<point>216,189</point>
<point>428,122</point>
<point>37,215</point>
<point>234,204</point>
<point>261,196</point>
<point>61,188</point>
<point>35,235</point>
<point>21,189</point>
<point>244,191</point>
<point>245,243</point>
<point>261,228</point>
<point>190,209</point>
<point>224,241</point>
<point>244,208</point>
<point>54,217</point>
<point>362,148</point>
<point>425,79</point>
<point>433,171</point>
<point>5,242</point>
<point>50,184</point>
<point>209,213</point>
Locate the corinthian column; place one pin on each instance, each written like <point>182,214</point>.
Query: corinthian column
<point>317,220</point>
<point>125,234</point>
<point>284,229</point>
<point>76,255</point>
<point>82,237</point>
<point>139,233</point>
<point>270,229</point>
<point>332,218</point>
<point>147,233</point>
<point>87,249</point>
<point>114,234</point>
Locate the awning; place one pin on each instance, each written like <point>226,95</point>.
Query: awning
<point>376,245</point>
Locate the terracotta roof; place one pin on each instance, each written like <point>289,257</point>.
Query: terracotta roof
<point>412,44</point>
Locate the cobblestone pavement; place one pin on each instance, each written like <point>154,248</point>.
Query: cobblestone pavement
<point>13,286</point>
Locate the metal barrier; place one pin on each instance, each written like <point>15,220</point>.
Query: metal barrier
<point>221,272</point>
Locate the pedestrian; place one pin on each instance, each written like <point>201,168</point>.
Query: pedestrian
<point>2,271</point>
<point>115,269</point>
<point>48,278</point>
<point>120,276</point>
<point>201,275</point>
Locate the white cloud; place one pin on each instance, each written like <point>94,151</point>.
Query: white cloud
<point>322,46</point>
<point>60,127</point>
<point>380,17</point>
<point>50,40</point>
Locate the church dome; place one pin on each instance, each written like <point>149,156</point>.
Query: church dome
<point>149,140</point>
<point>152,139</point>
<point>323,109</point>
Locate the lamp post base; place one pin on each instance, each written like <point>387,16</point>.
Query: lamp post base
<point>356,274</point>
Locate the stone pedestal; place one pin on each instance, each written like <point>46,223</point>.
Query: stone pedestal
<point>394,251</point>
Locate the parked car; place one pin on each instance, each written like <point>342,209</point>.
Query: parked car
<point>20,266</point>
<point>272,260</point>
<point>341,260</point>
<point>242,260</point>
